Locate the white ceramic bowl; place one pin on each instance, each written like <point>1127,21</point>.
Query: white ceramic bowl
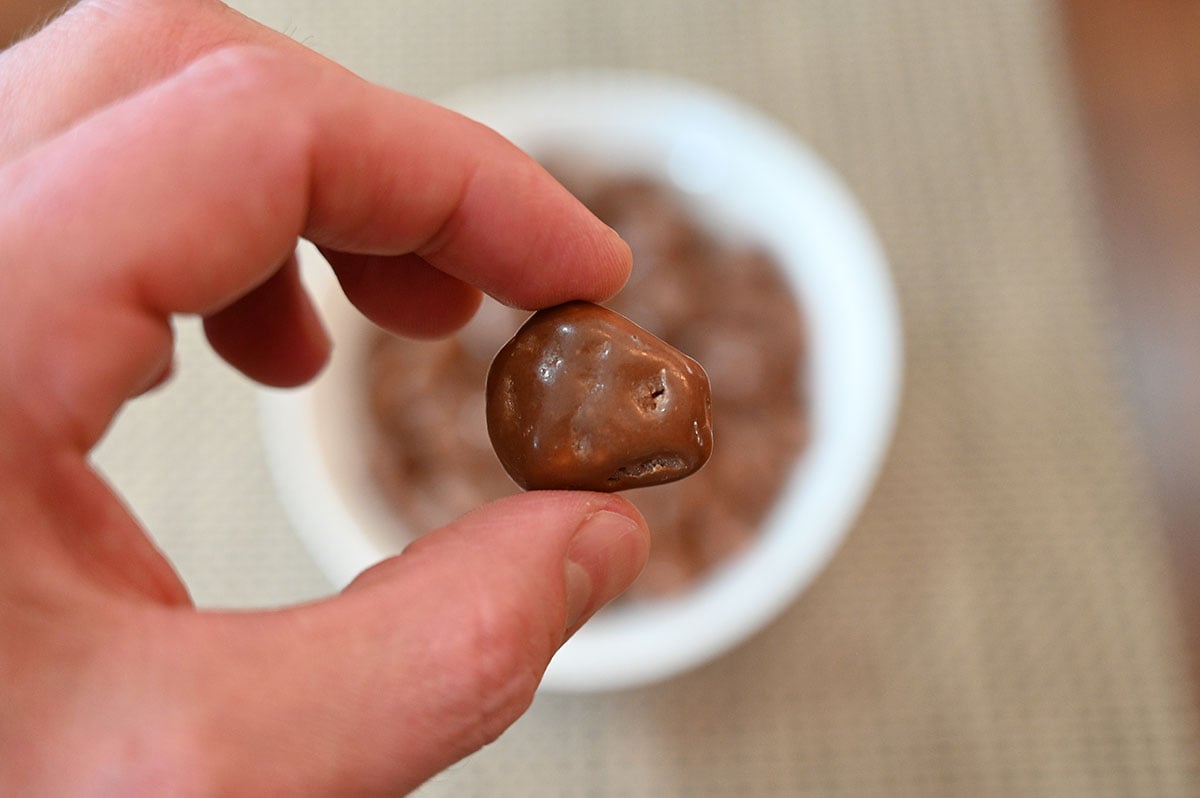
<point>746,174</point>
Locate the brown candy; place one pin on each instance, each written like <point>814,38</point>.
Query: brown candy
<point>583,398</point>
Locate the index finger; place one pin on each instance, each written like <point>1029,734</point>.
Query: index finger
<point>185,197</point>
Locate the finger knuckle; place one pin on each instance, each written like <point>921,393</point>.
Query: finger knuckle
<point>503,662</point>
<point>249,70</point>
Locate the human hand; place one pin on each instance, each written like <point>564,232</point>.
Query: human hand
<point>176,181</point>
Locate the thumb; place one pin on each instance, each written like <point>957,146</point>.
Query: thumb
<point>429,655</point>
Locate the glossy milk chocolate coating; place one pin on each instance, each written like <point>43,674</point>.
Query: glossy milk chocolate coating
<point>583,398</point>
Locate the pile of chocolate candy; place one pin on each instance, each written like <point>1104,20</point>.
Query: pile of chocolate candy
<point>721,302</point>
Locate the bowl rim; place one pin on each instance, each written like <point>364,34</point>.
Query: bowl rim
<point>856,375</point>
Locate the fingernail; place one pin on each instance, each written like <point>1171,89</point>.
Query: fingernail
<point>604,557</point>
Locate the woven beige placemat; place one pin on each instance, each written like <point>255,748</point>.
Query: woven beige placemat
<point>998,624</point>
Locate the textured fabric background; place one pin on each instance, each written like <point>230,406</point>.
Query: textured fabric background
<point>998,623</point>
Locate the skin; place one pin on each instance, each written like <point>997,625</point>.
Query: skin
<point>162,160</point>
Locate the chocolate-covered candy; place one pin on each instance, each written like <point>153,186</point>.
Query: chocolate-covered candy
<point>583,398</point>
